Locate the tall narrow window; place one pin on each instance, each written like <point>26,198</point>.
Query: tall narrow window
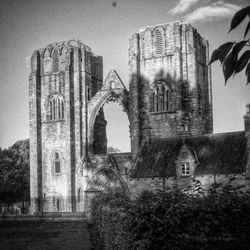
<point>62,112</point>
<point>166,100</point>
<point>159,42</point>
<point>50,110</point>
<point>57,164</point>
<point>55,60</point>
<point>151,101</point>
<point>54,109</point>
<point>157,99</point>
<point>58,108</point>
<point>162,97</point>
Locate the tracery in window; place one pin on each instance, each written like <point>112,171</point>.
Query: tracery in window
<point>159,42</point>
<point>147,44</point>
<point>55,60</point>
<point>159,97</point>
<point>185,168</point>
<point>56,108</point>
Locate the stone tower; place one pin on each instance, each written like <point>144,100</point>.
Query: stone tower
<point>64,76</point>
<point>170,83</point>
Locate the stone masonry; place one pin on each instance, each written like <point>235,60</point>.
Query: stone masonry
<point>169,108</point>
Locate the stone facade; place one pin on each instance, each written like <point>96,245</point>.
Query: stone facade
<point>173,57</point>
<point>169,107</point>
<point>63,76</point>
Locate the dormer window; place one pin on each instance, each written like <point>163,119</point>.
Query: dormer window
<point>185,169</point>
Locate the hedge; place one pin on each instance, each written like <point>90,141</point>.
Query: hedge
<point>172,220</point>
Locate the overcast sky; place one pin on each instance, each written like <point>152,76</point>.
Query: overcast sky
<point>106,27</point>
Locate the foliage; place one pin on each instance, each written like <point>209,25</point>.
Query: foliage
<point>109,226</point>
<point>14,172</point>
<point>232,55</point>
<point>173,219</point>
<point>112,150</point>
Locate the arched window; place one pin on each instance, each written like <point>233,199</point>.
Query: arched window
<point>55,60</point>
<point>56,108</point>
<point>159,97</point>
<point>159,42</point>
<point>79,195</point>
<point>57,163</point>
<point>147,44</point>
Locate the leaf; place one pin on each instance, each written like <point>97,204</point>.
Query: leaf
<point>239,17</point>
<point>238,47</point>
<point>229,66</point>
<point>242,62</point>
<point>221,52</point>
<point>247,29</point>
<point>248,73</point>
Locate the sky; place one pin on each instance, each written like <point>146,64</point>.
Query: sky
<point>106,26</point>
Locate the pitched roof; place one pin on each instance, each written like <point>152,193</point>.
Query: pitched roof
<point>217,154</point>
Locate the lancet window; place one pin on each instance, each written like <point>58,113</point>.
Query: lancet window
<point>159,97</point>
<point>57,163</point>
<point>56,108</point>
<point>55,60</point>
<point>159,42</point>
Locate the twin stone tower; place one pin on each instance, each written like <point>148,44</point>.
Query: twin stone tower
<point>169,95</point>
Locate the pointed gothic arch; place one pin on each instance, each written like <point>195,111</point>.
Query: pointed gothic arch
<point>109,175</point>
<point>113,90</point>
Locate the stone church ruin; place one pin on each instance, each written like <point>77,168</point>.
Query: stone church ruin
<point>168,105</point>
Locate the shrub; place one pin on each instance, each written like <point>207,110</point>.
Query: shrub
<point>173,220</point>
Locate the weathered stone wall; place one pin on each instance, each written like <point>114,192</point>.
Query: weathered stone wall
<point>183,66</point>
<point>72,81</point>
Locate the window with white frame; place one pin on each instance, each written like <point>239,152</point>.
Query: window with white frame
<point>185,168</point>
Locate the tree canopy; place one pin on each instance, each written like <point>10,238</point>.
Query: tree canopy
<point>14,172</point>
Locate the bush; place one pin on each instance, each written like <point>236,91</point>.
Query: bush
<point>172,220</point>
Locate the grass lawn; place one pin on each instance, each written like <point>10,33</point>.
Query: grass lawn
<point>44,235</point>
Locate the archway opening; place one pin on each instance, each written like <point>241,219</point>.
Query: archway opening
<point>111,130</point>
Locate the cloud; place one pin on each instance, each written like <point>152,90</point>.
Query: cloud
<point>213,12</point>
<point>183,6</point>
